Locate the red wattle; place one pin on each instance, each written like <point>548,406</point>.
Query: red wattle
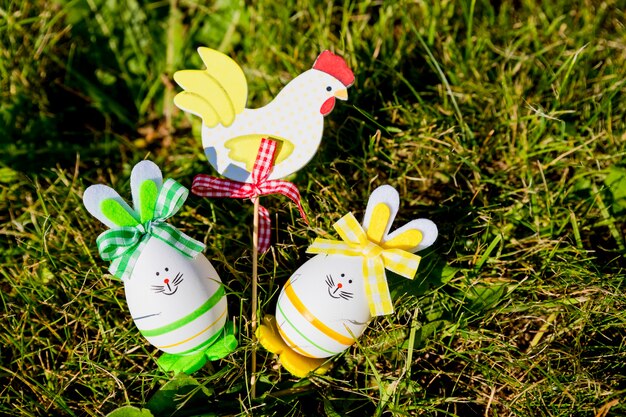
<point>328,106</point>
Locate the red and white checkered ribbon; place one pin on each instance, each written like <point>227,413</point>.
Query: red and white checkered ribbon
<point>207,186</point>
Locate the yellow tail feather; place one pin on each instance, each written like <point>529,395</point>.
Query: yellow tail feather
<point>221,88</point>
<point>195,104</point>
<point>228,74</point>
<point>207,87</point>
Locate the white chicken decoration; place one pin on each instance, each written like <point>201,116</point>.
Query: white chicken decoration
<point>231,133</point>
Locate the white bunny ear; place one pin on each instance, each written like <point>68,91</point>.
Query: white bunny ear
<point>106,205</point>
<point>384,201</point>
<point>142,171</point>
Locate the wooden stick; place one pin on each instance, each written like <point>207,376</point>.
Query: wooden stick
<point>255,256</point>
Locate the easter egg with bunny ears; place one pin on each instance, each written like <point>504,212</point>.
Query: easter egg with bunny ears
<point>328,302</point>
<point>174,294</point>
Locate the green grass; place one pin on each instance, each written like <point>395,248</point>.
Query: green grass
<point>504,123</point>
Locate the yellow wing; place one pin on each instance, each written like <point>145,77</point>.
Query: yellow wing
<point>245,148</point>
<point>216,94</point>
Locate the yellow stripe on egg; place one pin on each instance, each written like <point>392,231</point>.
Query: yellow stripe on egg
<point>297,303</point>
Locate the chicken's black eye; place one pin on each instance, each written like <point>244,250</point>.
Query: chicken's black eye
<point>329,88</point>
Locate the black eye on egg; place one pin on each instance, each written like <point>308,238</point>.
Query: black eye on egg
<point>343,275</point>
<point>349,281</point>
<point>157,274</point>
<point>329,88</point>
<point>167,269</point>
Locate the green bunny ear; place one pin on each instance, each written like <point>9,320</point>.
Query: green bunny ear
<point>148,194</point>
<point>115,212</point>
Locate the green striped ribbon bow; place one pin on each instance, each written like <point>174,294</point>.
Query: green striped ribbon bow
<point>123,245</point>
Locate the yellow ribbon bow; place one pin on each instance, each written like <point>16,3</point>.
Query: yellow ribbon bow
<point>377,255</point>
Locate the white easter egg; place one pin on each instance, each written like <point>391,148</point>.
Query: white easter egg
<point>177,303</point>
<point>322,309</point>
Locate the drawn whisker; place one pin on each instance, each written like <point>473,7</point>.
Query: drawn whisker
<point>346,295</point>
<point>157,286</point>
<point>332,281</point>
<point>146,316</point>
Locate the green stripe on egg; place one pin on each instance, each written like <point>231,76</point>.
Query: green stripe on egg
<point>208,305</point>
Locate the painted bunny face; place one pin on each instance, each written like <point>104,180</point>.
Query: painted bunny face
<point>170,286</point>
<point>330,276</point>
<point>339,290</point>
<point>166,285</point>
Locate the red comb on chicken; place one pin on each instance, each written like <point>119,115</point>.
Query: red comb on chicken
<point>336,66</point>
